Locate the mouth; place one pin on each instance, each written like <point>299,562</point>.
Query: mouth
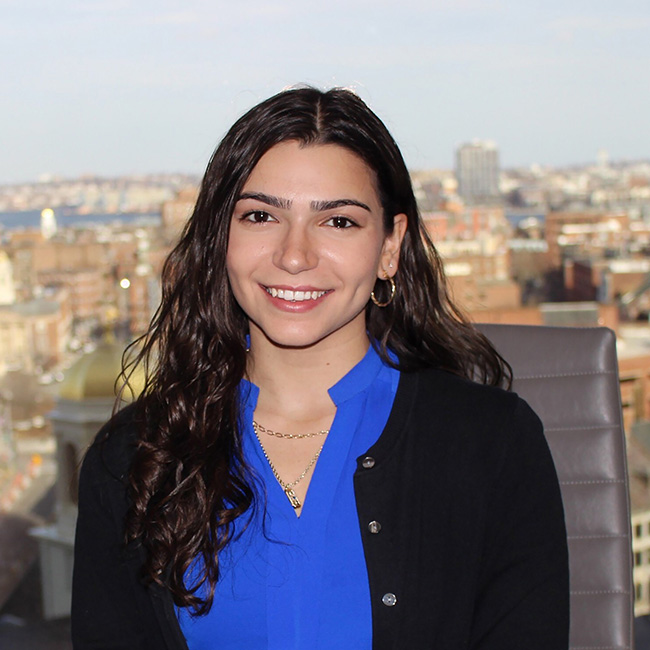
<point>291,295</point>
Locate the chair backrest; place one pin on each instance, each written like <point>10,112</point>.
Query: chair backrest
<point>569,376</point>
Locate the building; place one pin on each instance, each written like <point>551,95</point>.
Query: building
<point>551,314</point>
<point>641,545</point>
<point>86,399</point>
<point>35,333</point>
<point>7,288</point>
<point>586,234</point>
<point>633,348</point>
<point>477,171</point>
<point>89,289</point>
<point>177,211</point>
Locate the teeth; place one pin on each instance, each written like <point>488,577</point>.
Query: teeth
<point>294,296</point>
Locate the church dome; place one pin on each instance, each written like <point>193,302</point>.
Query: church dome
<point>94,375</point>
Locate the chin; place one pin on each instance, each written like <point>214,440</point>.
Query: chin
<point>287,340</point>
<point>286,334</point>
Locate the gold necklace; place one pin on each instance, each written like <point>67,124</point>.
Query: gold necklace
<point>289,436</point>
<point>288,487</point>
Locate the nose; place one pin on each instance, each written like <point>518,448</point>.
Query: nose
<point>297,250</point>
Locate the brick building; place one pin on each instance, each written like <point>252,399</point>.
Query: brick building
<point>585,234</point>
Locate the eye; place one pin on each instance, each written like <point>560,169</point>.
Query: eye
<point>341,223</point>
<point>257,216</point>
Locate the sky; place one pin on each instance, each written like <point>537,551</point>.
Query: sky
<point>113,87</point>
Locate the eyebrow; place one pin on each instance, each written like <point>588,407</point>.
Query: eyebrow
<point>321,206</point>
<point>273,201</point>
<point>317,206</point>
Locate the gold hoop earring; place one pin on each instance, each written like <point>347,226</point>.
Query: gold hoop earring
<point>393,288</point>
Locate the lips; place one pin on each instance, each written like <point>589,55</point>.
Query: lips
<point>294,295</point>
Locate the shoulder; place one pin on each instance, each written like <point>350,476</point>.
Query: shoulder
<point>460,398</point>
<point>110,455</point>
<point>457,436</point>
<point>437,409</point>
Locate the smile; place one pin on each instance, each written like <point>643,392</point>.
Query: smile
<point>294,296</point>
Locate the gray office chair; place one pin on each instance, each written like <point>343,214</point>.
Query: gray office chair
<point>570,378</point>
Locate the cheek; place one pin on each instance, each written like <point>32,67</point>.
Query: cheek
<point>237,255</point>
<point>231,264</point>
<point>237,281</point>
<point>245,267</point>
<point>235,268</point>
<point>365,260</point>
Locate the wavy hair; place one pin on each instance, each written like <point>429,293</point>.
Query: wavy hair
<point>189,481</point>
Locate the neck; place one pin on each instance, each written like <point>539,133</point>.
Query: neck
<point>293,382</point>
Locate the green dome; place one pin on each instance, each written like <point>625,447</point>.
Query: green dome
<point>94,375</point>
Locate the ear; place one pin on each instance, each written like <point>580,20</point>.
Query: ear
<point>389,260</point>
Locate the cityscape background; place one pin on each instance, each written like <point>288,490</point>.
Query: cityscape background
<point>524,126</point>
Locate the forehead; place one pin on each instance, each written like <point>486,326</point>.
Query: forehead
<point>291,170</point>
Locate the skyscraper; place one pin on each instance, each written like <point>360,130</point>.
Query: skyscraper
<point>477,171</point>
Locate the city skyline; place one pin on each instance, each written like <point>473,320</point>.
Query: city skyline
<point>116,87</point>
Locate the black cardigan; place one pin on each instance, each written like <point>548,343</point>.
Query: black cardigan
<point>461,520</point>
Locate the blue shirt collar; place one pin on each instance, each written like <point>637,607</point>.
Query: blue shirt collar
<point>358,378</point>
<point>351,384</point>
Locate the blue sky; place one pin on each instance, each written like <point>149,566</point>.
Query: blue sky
<point>134,86</point>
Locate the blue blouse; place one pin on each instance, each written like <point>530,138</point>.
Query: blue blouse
<point>288,582</point>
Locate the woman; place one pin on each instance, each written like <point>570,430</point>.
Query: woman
<point>310,464</point>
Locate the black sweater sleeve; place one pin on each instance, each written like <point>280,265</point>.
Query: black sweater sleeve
<point>102,609</point>
<point>112,608</point>
<point>523,589</point>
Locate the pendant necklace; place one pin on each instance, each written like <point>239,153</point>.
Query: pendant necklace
<point>288,487</point>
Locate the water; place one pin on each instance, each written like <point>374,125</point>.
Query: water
<point>32,218</point>
<point>515,217</point>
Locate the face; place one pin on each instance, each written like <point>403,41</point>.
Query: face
<point>307,244</point>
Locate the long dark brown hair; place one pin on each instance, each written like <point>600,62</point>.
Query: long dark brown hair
<point>189,481</point>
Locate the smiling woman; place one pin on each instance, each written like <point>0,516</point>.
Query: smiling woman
<point>311,463</point>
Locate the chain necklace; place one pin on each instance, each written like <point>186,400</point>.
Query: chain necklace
<point>289,436</point>
<point>288,487</point>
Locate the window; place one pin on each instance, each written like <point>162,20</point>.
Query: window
<point>638,560</point>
